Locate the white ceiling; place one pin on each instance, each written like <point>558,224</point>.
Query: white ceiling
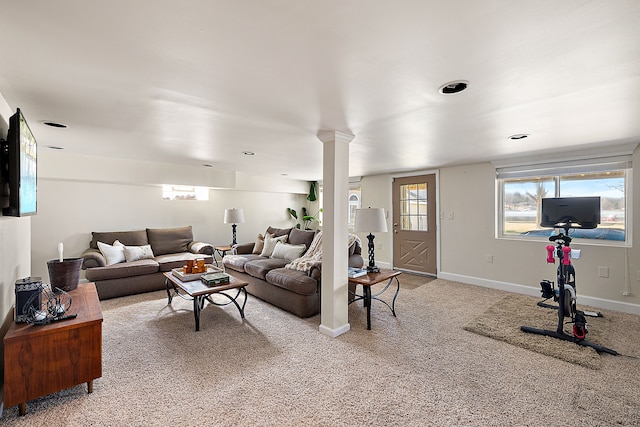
<point>199,82</point>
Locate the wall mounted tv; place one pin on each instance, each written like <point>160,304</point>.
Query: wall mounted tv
<point>20,168</point>
<point>571,212</point>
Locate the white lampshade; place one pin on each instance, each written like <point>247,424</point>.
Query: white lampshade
<point>233,216</point>
<point>370,220</point>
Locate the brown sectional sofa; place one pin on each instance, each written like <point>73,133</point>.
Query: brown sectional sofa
<point>171,248</point>
<point>297,292</point>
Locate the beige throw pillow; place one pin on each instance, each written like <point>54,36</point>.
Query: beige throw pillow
<point>134,253</point>
<point>270,244</point>
<point>259,245</point>
<point>287,251</point>
<point>113,254</point>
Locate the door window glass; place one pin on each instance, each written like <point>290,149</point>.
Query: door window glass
<point>413,207</point>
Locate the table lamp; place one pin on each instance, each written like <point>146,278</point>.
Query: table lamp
<point>370,220</point>
<point>233,216</point>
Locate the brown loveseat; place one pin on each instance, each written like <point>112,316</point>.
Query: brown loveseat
<point>292,290</point>
<point>139,269</point>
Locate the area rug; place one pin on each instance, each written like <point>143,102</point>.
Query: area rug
<point>502,321</point>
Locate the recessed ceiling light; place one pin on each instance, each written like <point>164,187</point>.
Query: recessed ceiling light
<point>207,165</point>
<point>248,153</point>
<point>453,87</point>
<point>53,147</point>
<point>55,124</point>
<point>519,136</point>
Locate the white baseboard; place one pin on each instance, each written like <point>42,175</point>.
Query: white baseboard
<point>334,332</point>
<point>624,307</point>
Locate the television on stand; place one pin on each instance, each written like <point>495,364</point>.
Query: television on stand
<point>20,168</point>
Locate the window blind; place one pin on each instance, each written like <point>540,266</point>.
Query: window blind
<point>602,164</point>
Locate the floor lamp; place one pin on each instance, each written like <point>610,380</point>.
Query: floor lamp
<point>233,216</point>
<point>370,220</point>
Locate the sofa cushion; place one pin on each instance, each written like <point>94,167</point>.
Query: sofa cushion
<point>299,237</point>
<point>260,267</point>
<point>124,269</point>
<point>170,240</point>
<point>237,262</point>
<point>288,252</point>
<point>277,232</point>
<point>170,261</point>
<point>293,280</point>
<point>130,238</point>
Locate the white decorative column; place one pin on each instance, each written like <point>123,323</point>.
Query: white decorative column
<point>334,319</point>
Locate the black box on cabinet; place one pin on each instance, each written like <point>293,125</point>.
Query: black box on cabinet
<point>28,294</point>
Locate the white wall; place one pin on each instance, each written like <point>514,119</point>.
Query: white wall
<point>15,240</point>
<point>467,239</point>
<point>375,192</point>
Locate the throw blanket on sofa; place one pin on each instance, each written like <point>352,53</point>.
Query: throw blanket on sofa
<point>313,256</point>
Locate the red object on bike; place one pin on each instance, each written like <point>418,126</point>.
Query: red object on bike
<point>579,332</point>
<point>550,258</point>
<point>567,255</point>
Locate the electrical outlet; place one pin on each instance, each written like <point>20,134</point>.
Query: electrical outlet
<point>488,258</point>
<point>603,271</point>
<point>451,215</point>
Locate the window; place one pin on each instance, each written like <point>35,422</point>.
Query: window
<point>354,204</point>
<point>522,189</point>
<point>181,192</point>
<point>413,207</point>
<point>354,201</point>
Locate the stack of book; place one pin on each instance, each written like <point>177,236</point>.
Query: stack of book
<point>212,279</point>
<point>356,272</point>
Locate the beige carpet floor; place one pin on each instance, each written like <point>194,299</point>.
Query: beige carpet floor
<point>420,368</point>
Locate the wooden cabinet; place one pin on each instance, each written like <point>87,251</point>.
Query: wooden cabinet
<point>39,360</point>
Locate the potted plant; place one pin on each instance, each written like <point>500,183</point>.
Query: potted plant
<point>307,220</point>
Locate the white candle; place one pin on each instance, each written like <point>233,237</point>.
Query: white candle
<point>60,248</point>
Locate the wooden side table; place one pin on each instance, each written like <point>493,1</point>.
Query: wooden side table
<point>39,360</point>
<point>371,279</point>
<point>222,251</point>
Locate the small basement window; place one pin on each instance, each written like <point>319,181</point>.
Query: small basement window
<point>184,192</point>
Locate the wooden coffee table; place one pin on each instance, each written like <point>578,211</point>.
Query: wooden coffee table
<point>199,292</point>
<point>371,279</point>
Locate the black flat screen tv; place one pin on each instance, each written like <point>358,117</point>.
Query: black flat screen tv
<point>20,166</point>
<point>571,212</point>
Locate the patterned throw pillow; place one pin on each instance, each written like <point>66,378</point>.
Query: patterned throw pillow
<point>134,253</point>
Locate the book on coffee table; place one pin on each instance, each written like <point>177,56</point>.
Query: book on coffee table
<point>212,279</point>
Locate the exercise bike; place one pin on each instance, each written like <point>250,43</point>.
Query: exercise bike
<point>565,293</point>
<point>569,278</point>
